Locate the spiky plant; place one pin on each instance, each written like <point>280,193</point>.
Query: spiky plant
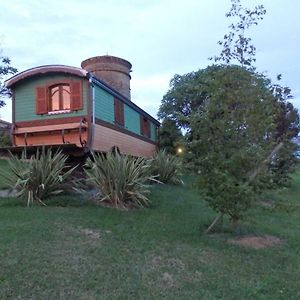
<point>166,168</point>
<point>38,177</point>
<point>122,179</point>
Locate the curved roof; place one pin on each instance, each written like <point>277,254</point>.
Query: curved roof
<point>43,70</point>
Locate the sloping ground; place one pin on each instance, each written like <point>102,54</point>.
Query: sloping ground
<point>81,251</point>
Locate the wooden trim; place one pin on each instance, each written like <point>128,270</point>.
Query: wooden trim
<point>123,130</point>
<point>41,100</point>
<point>119,112</point>
<point>70,82</point>
<point>47,122</point>
<point>145,127</point>
<point>43,70</point>
<point>89,103</point>
<point>56,127</point>
<point>52,83</point>
<point>76,95</point>
<point>13,99</point>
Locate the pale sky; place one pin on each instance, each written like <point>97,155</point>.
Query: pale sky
<point>159,37</point>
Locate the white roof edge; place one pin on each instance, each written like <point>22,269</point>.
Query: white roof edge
<point>45,69</point>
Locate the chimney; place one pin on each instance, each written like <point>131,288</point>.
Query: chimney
<point>112,70</point>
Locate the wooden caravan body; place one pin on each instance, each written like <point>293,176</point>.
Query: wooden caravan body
<point>70,108</point>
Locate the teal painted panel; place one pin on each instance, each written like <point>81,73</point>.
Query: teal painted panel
<point>153,131</point>
<point>104,110</point>
<point>132,120</point>
<point>104,105</point>
<point>25,98</point>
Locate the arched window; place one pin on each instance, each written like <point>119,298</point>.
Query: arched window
<point>60,97</point>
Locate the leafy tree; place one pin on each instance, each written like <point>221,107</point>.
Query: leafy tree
<point>287,129</point>
<point>237,47</point>
<point>170,136</point>
<point>4,139</point>
<point>182,98</point>
<point>5,69</point>
<point>230,135</point>
<point>184,95</point>
<point>237,121</point>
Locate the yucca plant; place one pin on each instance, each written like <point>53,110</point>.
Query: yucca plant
<point>38,177</point>
<point>166,168</point>
<point>121,179</point>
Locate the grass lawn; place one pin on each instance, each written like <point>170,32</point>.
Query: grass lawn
<point>82,251</point>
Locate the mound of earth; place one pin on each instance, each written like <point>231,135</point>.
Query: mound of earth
<point>256,242</point>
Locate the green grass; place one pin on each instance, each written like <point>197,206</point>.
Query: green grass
<point>81,251</point>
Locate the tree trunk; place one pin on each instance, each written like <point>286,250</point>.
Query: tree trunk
<point>218,219</point>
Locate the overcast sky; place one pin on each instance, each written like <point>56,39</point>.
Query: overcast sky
<point>159,37</point>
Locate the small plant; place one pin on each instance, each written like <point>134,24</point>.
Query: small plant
<point>38,177</point>
<point>4,139</point>
<point>121,179</point>
<point>166,168</point>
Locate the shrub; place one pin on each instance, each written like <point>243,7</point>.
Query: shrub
<point>38,177</point>
<point>121,179</point>
<point>4,139</point>
<point>166,168</point>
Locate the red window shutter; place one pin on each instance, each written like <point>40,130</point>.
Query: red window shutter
<point>76,95</point>
<point>119,112</point>
<point>147,125</point>
<point>142,125</point>
<point>116,110</point>
<point>41,100</point>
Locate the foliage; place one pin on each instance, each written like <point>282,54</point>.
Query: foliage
<point>4,139</point>
<point>39,177</point>
<point>287,129</point>
<point>231,134</point>
<point>234,117</point>
<point>166,168</point>
<point>170,136</point>
<point>4,168</point>
<point>186,94</point>
<point>5,69</point>
<point>182,99</point>
<point>236,46</point>
<point>121,179</point>
<point>282,165</point>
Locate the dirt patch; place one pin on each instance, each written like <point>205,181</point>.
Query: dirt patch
<point>167,280</point>
<point>160,262</point>
<point>256,242</point>
<point>8,193</point>
<point>93,234</point>
<point>156,261</point>
<point>266,204</point>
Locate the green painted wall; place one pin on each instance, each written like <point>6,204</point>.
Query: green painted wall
<point>104,105</point>
<point>132,120</point>
<point>104,110</point>
<point>25,98</point>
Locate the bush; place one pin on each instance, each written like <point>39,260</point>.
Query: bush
<point>39,177</point>
<point>121,179</point>
<point>4,139</point>
<point>166,168</point>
